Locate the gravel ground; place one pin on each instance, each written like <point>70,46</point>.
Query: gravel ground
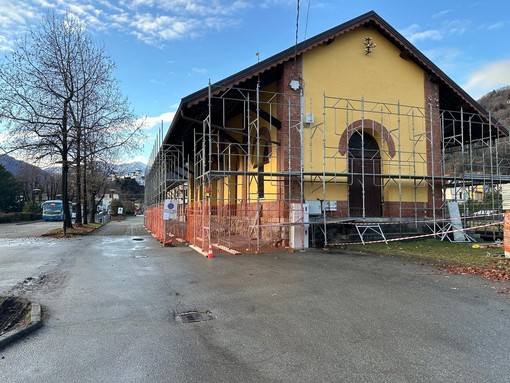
<point>13,313</point>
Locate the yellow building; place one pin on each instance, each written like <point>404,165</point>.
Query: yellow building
<point>352,125</point>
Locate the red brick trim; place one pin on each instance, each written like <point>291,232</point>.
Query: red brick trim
<point>370,124</point>
<point>434,144</point>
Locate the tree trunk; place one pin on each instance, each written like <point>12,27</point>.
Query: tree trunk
<point>85,204</point>
<point>65,169</point>
<point>93,208</point>
<point>78,220</point>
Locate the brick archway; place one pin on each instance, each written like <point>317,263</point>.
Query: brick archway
<point>371,125</point>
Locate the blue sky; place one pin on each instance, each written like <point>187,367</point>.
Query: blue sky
<point>167,49</point>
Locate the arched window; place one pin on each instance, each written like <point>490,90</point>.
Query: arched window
<point>365,191</point>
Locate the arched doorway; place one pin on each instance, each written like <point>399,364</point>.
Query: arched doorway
<point>365,182</point>
<point>260,157</point>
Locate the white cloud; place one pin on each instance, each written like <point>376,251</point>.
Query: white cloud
<point>15,16</point>
<point>5,43</point>
<point>497,26</point>
<point>139,158</point>
<point>431,34</point>
<point>157,82</point>
<point>199,70</point>
<point>153,29</point>
<point>414,33</point>
<point>192,7</point>
<point>154,123</point>
<point>156,126</point>
<point>446,55</point>
<point>441,13</point>
<point>492,76</point>
<point>151,21</point>
<point>155,22</point>
<point>455,27</point>
<point>276,3</point>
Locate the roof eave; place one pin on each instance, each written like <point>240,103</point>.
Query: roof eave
<point>371,18</point>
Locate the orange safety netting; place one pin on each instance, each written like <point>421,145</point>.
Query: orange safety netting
<point>155,224</point>
<point>166,230</point>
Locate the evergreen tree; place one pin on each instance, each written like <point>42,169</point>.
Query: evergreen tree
<point>10,192</point>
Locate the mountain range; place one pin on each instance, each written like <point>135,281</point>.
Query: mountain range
<point>134,170</point>
<point>498,102</point>
<point>15,167</point>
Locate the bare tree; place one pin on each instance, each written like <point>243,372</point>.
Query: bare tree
<point>30,178</point>
<point>51,185</point>
<point>102,119</point>
<point>98,180</point>
<point>56,89</point>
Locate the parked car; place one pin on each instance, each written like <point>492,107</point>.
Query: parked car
<point>487,215</point>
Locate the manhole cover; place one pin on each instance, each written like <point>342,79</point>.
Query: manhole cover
<point>137,239</point>
<point>194,316</point>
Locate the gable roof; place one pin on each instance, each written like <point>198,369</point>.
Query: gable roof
<point>452,95</point>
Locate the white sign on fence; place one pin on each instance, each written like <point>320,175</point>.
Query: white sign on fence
<point>505,195</point>
<point>170,209</point>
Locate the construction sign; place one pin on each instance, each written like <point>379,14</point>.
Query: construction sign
<point>170,210</point>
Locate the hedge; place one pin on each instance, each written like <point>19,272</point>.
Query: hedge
<point>18,217</point>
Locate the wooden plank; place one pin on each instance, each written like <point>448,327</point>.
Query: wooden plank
<point>225,248</point>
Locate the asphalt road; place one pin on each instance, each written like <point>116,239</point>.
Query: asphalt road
<point>110,301</point>
<point>27,229</point>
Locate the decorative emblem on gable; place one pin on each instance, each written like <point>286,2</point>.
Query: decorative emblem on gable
<point>369,45</point>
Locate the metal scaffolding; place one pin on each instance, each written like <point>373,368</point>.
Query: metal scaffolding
<point>263,174</point>
<point>166,182</point>
<point>245,180</point>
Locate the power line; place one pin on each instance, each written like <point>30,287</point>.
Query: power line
<point>297,25</point>
<point>297,31</point>
<point>307,14</point>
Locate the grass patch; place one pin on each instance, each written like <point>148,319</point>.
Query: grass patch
<point>459,258</point>
<point>436,252</point>
<point>74,231</point>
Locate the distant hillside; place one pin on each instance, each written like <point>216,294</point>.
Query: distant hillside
<point>129,169</point>
<point>498,103</point>
<point>134,170</point>
<point>15,167</point>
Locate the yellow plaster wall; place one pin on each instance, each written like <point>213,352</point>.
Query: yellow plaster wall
<point>343,70</point>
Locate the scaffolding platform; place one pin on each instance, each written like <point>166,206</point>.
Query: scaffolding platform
<point>253,156</point>
<point>363,229</point>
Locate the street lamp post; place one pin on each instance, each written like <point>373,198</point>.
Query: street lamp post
<point>34,193</point>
